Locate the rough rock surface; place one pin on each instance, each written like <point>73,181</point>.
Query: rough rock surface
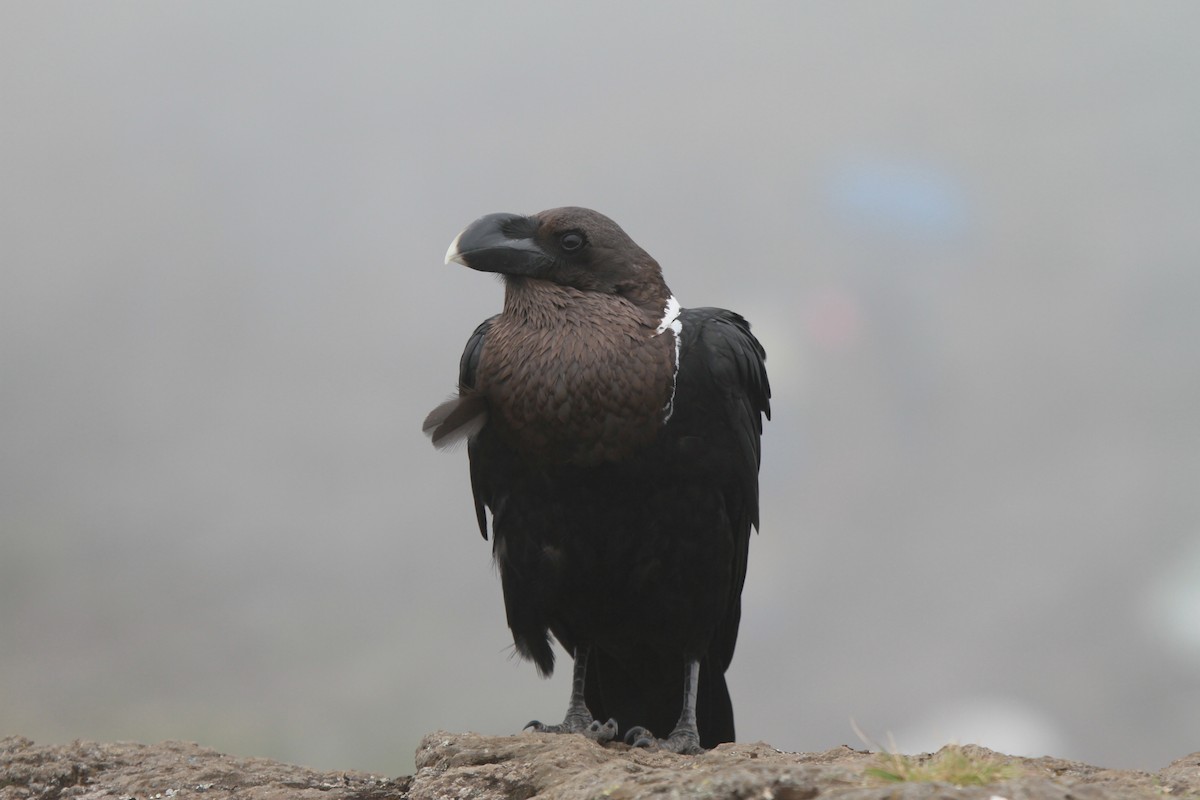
<point>96,770</point>
<point>546,766</point>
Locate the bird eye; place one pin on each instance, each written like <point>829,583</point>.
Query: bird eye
<point>571,241</point>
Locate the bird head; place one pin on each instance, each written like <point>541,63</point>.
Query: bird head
<point>570,246</point>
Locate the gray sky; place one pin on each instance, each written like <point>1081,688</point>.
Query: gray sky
<point>966,234</point>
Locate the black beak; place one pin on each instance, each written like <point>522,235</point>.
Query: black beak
<point>501,243</point>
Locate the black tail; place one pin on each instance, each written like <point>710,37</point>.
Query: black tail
<point>651,695</point>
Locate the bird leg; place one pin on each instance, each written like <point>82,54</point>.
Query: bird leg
<point>579,719</point>
<point>685,739</point>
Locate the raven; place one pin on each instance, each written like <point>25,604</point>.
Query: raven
<point>615,439</point>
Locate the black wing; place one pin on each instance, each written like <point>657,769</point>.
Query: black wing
<point>722,373</point>
<point>464,415</point>
<point>469,363</point>
<point>467,366</point>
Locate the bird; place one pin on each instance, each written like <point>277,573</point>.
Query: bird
<point>614,440</point>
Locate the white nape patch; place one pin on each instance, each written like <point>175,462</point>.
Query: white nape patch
<point>670,312</point>
<point>452,253</point>
<point>671,321</point>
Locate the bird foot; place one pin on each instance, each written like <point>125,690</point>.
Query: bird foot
<point>684,741</point>
<point>598,732</point>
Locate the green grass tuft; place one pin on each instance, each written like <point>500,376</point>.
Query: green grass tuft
<point>951,764</point>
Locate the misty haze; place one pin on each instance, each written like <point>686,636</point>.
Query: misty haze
<point>966,235</point>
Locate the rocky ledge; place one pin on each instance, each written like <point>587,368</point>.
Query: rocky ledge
<point>467,765</point>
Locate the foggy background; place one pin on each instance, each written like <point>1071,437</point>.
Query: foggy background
<point>966,233</point>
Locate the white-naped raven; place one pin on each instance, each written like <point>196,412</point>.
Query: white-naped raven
<point>614,437</point>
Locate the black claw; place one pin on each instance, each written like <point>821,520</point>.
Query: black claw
<point>635,734</point>
<point>684,742</point>
<point>600,732</point>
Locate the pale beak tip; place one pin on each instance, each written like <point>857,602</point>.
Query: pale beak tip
<point>452,253</point>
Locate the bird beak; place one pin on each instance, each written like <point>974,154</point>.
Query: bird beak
<point>453,254</point>
<point>501,243</point>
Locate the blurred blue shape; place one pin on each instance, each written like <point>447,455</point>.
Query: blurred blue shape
<point>900,198</point>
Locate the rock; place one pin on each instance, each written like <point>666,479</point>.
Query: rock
<point>94,770</point>
<point>528,765</point>
<point>549,765</point>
